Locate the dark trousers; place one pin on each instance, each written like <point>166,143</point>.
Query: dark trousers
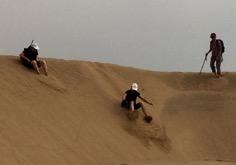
<point>217,60</point>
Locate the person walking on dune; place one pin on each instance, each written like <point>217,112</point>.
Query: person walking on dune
<point>217,49</point>
<point>29,58</point>
<point>129,101</point>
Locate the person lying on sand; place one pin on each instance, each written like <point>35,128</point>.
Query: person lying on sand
<point>129,100</point>
<point>29,58</point>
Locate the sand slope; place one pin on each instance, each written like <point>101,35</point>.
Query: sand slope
<point>73,116</point>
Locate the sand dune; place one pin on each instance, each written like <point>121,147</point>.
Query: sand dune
<point>73,116</point>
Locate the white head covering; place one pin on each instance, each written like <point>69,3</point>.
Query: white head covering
<point>35,46</point>
<point>134,86</point>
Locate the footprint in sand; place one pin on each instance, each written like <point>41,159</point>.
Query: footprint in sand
<point>203,82</point>
<point>52,82</point>
<point>214,83</point>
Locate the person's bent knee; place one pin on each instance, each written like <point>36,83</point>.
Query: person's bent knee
<point>212,64</point>
<point>34,62</point>
<point>43,62</point>
<point>139,105</point>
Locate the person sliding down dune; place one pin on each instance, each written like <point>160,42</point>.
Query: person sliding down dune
<point>129,101</point>
<point>29,58</point>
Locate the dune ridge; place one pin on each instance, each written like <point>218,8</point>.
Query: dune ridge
<point>73,116</point>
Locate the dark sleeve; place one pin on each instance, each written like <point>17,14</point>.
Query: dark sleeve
<point>25,50</point>
<point>138,94</point>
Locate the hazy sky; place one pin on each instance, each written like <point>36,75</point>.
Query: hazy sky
<point>166,35</point>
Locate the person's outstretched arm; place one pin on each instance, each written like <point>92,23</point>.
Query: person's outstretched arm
<point>146,101</point>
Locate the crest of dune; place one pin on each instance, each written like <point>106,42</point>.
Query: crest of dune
<point>73,116</point>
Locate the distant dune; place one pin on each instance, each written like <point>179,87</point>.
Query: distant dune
<point>73,116</point>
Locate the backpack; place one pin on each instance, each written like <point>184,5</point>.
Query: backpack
<point>222,44</point>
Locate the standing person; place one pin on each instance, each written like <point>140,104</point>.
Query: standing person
<point>29,58</point>
<point>129,101</point>
<point>217,49</point>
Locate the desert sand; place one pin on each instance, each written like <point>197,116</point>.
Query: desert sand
<point>73,116</point>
